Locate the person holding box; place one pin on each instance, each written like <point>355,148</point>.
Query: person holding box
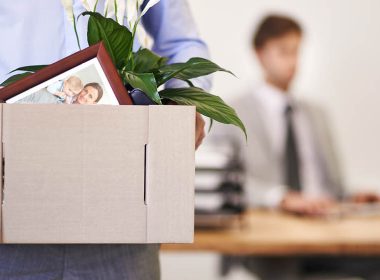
<point>39,32</point>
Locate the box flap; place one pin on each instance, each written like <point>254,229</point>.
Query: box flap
<point>170,161</point>
<point>74,174</point>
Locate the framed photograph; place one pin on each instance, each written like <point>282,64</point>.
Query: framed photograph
<point>87,77</point>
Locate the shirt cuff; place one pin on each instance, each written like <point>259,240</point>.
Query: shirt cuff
<point>274,196</point>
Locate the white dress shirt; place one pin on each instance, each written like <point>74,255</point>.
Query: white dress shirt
<point>273,102</point>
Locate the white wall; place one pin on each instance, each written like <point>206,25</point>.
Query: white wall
<point>340,66</point>
<point>340,70</point>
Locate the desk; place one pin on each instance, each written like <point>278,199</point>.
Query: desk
<point>277,234</point>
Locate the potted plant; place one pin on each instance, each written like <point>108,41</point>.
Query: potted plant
<point>144,72</point>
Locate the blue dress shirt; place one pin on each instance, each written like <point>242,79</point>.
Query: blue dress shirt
<point>39,32</point>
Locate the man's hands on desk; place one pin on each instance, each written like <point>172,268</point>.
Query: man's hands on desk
<point>297,203</point>
<point>365,197</point>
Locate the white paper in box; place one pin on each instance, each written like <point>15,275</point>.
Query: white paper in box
<point>97,174</point>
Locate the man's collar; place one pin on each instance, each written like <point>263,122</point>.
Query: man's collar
<point>273,98</point>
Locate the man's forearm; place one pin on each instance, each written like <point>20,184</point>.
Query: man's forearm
<point>175,36</point>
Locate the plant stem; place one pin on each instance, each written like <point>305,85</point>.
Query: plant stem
<point>115,3</point>
<point>96,5</point>
<point>76,31</point>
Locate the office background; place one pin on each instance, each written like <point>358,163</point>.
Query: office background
<point>340,69</point>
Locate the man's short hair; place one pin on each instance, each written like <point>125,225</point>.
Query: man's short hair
<point>272,27</point>
<point>98,88</point>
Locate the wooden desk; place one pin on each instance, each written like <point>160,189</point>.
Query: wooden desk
<point>276,234</point>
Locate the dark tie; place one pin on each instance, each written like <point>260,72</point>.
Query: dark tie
<point>292,176</point>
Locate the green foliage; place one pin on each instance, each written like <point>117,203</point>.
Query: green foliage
<point>147,71</point>
<point>194,68</point>
<point>32,68</point>
<point>145,82</point>
<point>207,104</point>
<point>28,70</point>
<point>15,78</point>
<point>147,61</point>
<point>117,38</point>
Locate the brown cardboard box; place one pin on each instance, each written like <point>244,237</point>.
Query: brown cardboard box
<point>97,174</point>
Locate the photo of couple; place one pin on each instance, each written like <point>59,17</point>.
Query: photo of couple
<point>85,84</point>
<point>69,91</point>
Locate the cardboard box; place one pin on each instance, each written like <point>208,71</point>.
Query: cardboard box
<point>97,174</point>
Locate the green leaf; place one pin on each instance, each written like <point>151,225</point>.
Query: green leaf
<point>32,68</point>
<point>147,61</point>
<point>15,78</point>
<point>145,82</point>
<point>209,105</point>
<point>194,68</point>
<point>189,83</point>
<point>28,71</point>
<point>210,126</point>
<point>116,38</point>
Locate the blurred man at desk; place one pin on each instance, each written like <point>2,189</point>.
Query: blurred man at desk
<point>289,159</point>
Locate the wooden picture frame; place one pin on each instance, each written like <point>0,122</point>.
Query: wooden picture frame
<point>90,55</point>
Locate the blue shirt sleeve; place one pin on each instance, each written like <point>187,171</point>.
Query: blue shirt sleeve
<point>169,23</point>
<point>175,36</point>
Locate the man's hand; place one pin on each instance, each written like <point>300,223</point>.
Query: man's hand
<point>295,202</point>
<point>199,130</point>
<point>365,197</point>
